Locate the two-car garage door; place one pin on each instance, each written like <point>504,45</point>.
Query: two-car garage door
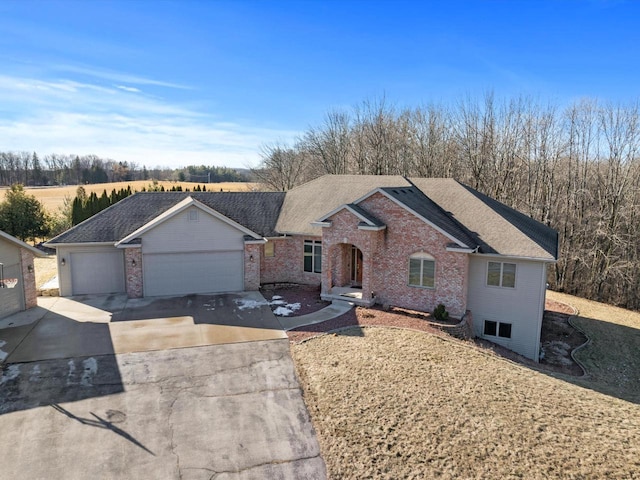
<point>199,272</point>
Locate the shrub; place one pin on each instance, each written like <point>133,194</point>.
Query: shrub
<point>440,313</point>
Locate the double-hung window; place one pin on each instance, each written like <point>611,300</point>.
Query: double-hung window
<point>422,270</point>
<point>501,274</point>
<point>313,256</point>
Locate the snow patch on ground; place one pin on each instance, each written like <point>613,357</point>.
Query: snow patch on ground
<point>35,374</point>
<point>283,309</point>
<point>72,370</point>
<point>286,310</point>
<point>11,373</point>
<point>250,304</point>
<point>3,354</point>
<point>90,369</point>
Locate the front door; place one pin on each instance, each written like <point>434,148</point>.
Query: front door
<point>356,266</point>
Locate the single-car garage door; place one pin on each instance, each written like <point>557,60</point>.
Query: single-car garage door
<point>11,296</point>
<point>202,272</point>
<point>97,272</point>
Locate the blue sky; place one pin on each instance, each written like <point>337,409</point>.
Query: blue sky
<point>178,83</point>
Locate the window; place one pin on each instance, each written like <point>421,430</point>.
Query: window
<point>269,250</point>
<point>497,329</point>
<point>193,215</point>
<point>422,270</point>
<point>313,256</point>
<point>500,274</point>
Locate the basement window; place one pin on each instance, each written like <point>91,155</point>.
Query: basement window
<point>497,329</point>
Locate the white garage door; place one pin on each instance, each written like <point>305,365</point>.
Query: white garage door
<point>183,273</point>
<point>97,272</point>
<point>11,296</point>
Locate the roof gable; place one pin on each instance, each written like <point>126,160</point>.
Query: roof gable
<point>20,244</point>
<point>497,228</point>
<point>175,210</point>
<point>421,206</point>
<point>255,211</point>
<point>308,202</point>
<point>367,220</point>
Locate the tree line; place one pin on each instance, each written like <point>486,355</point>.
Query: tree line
<point>29,169</point>
<point>575,168</point>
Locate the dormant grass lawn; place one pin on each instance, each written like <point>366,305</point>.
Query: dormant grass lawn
<point>392,403</point>
<point>45,269</point>
<point>53,197</point>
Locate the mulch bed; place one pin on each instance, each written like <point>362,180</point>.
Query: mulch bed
<point>558,337</point>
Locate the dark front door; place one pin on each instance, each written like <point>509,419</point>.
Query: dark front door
<point>356,266</point>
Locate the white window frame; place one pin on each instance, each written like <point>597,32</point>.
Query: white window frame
<point>422,257</point>
<point>315,245</point>
<point>497,335</point>
<point>501,277</point>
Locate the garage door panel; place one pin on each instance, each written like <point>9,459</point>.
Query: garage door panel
<point>97,272</point>
<point>184,273</point>
<point>11,293</point>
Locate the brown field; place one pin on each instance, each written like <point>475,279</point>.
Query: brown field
<point>393,403</point>
<point>53,197</point>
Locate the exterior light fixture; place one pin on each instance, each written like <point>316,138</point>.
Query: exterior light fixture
<point>30,268</point>
<point>133,262</point>
<point>63,262</point>
<point>251,258</point>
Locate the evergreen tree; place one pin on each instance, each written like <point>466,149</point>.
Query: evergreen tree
<point>22,215</point>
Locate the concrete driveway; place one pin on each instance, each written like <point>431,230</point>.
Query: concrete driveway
<point>107,324</point>
<point>216,412</point>
<point>195,387</point>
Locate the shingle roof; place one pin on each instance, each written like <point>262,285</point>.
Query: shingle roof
<point>417,201</point>
<point>496,227</point>
<point>363,213</point>
<point>465,214</point>
<point>309,202</point>
<point>257,211</point>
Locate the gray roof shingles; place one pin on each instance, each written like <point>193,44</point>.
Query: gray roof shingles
<point>257,211</point>
<point>465,214</point>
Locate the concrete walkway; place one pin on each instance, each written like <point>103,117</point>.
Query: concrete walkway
<point>63,327</point>
<point>337,308</point>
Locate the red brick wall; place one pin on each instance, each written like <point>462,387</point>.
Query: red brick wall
<point>133,273</point>
<point>336,240</point>
<point>252,255</point>
<point>286,266</point>
<point>386,258</point>
<point>29,278</point>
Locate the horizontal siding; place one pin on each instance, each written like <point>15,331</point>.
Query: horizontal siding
<point>521,306</point>
<point>9,254</point>
<point>180,234</point>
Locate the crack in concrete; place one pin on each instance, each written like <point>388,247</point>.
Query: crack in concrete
<point>272,462</point>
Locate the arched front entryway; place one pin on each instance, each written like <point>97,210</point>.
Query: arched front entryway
<point>346,278</point>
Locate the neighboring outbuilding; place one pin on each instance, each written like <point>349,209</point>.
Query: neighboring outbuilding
<point>408,242</point>
<point>17,275</point>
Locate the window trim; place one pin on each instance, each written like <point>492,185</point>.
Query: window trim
<point>316,250</point>
<point>497,327</point>
<point>501,277</point>
<point>422,256</point>
<point>194,215</point>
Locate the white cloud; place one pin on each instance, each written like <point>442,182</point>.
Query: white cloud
<point>128,89</point>
<point>123,123</point>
